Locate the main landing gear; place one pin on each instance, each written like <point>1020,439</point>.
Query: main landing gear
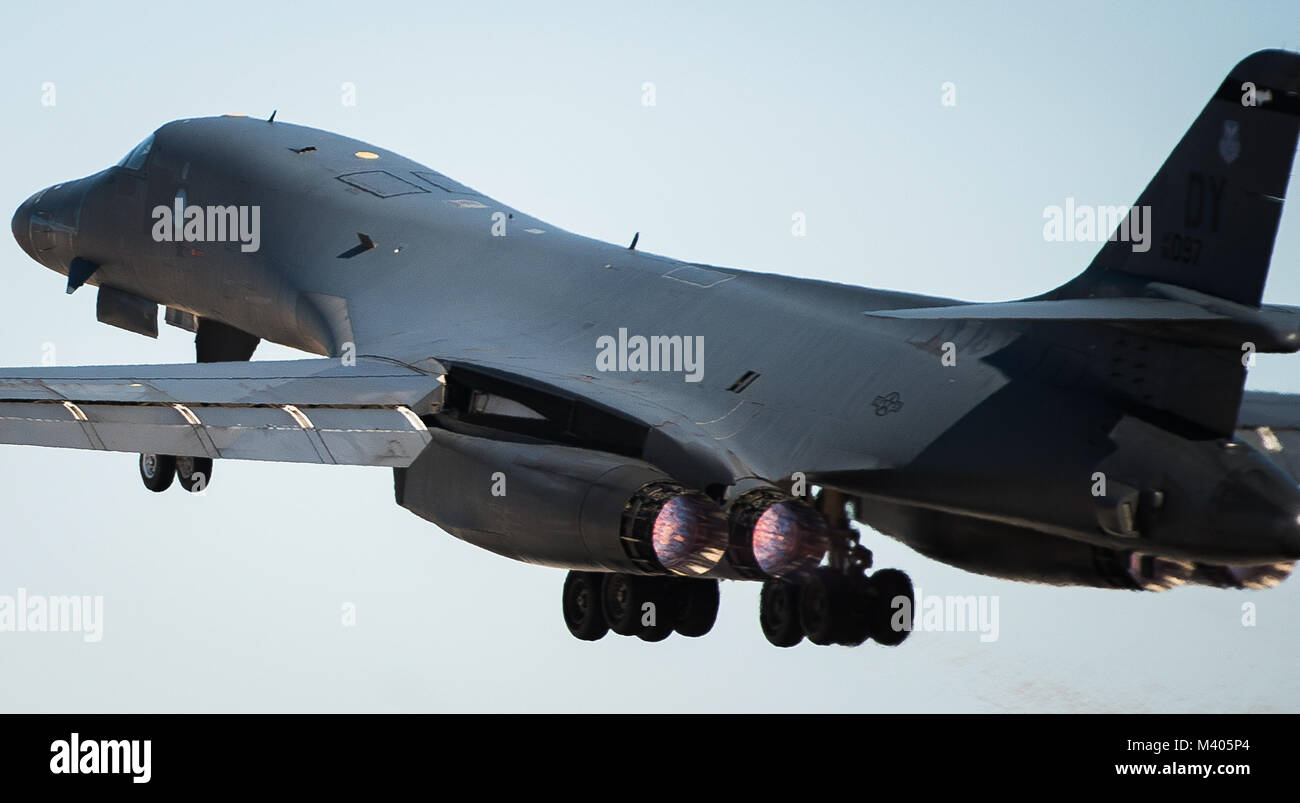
<point>650,608</point>
<point>833,607</point>
<point>839,602</point>
<point>827,606</point>
<point>158,470</point>
<point>214,341</point>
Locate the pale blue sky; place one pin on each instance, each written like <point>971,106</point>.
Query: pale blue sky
<point>231,601</point>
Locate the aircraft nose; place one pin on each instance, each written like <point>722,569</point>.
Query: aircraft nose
<point>21,225</point>
<point>46,225</point>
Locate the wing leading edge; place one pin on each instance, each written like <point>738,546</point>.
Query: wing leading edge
<point>300,411</point>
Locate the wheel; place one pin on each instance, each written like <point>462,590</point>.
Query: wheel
<point>157,471</point>
<point>628,601</point>
<point>831,609</point>
<point>819,605</point>
<point>697,606</point>
<point>853,625</point>
<point>778,613</point>
<point>194,473</point>
<point>582,606</point>
<point>664,594</point>
<point>658,631</point>
<point>621,598</point>
<point>890,623</point>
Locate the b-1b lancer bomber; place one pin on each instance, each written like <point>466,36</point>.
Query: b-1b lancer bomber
<point>655,426</point>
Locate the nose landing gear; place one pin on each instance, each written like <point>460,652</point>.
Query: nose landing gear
<point>194,473</point>
<point>158,470</point>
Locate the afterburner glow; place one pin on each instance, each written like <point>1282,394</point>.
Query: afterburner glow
<point>689,535</point>
<point>788,537</point>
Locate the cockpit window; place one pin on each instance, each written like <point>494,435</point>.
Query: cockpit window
<point>136,158</point>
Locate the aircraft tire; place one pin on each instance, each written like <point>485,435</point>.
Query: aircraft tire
<point>778,613</point>
<point>157,471</point>
<point>621,598</point>
<point>194,473</point>
<point>825,607</point>
<point>656,632</point>
<point>854,615</point>
<point>697,606</point>
<point>582,605</point>
<point>883,588</point>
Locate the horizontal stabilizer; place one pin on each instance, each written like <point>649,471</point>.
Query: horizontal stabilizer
<point>1166,312</point>
<point>1072,309</point>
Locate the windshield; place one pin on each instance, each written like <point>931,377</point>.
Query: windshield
<point>136,158</point>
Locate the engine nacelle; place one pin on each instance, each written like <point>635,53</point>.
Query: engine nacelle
<point>562,506</point>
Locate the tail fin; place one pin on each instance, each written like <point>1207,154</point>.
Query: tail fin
<point>1214,204</point>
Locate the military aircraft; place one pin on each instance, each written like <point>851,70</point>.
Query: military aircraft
<point>654,425</point>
